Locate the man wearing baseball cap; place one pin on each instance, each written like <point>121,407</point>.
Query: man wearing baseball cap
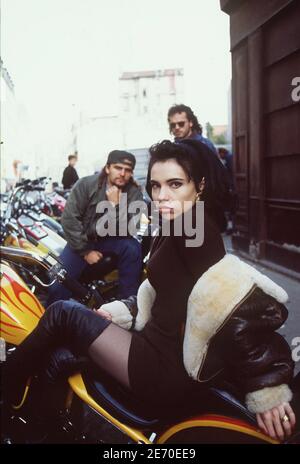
<point>84,221</point>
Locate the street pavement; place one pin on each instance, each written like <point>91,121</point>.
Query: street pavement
<point>291,329</point>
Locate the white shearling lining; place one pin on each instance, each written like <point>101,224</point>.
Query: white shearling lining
<point>119,312</point>
<point>267,398</point>
<point>145,298</point>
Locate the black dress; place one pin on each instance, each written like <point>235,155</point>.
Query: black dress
<point>156,370</point>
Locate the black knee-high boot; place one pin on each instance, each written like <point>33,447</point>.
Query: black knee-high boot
<point>65,323</point>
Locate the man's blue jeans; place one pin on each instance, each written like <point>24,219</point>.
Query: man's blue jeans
<point>129,255</point>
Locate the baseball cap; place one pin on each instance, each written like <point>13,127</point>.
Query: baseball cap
<point>121,156</point>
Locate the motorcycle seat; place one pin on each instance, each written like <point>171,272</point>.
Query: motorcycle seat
<point>228,403</point>
<point>120,403</point>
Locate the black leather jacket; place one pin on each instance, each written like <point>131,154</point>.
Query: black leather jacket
<point>247,349</point>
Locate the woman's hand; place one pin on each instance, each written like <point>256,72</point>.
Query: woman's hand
<point>278,422</point>
<point>104,314</point>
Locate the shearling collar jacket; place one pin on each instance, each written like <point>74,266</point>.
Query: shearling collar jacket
<point>233,313</point>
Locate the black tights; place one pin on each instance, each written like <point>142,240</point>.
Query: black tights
<point>111,351</point>
<point>84,332</point>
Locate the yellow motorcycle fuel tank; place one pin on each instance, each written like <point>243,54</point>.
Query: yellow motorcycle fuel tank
<point>20,310</point>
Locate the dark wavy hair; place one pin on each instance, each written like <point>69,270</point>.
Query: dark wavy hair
<point>189,114</point>
<point>197,161</point>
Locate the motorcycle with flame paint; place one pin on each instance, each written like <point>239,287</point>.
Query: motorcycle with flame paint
<point>94,408</point>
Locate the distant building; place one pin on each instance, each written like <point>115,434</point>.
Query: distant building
<point>6,79</point>
<point>15,149</point>
<point>9,123</point>
<point>144,100</point>
<point>145,97</point>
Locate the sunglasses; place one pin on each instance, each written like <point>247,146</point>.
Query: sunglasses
<point>174,124</point>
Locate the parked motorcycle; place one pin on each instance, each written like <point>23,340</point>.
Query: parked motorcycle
<point>21,227</point>
<point>25,230</point>
<point>92,399</point>
<point>29,199</point>
<point>57,199</point>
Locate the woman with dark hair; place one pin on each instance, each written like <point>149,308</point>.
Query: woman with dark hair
<point>201,317</point>
<point>216,193</point>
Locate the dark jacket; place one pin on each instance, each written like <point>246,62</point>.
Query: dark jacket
<point>79,218</point>
<point>247,351</point>
<point>70,177</point>
<point>200,138</point>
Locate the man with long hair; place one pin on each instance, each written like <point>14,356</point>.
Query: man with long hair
<point>183,124</point>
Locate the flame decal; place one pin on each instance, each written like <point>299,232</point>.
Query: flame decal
<point>17,295</point>
<point>20,310</point>
<point>7,333</point>
<point>12,325</point>
<point>7,313</point>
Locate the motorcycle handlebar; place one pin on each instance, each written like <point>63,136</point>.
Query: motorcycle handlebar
<point>23,182</point>
<point>82,292</point>
<point>38,180</point>
<point>32,188</point>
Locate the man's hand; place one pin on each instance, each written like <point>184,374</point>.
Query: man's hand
<point>113,195</point>
<point>92,257</point>
<point>278,422</point>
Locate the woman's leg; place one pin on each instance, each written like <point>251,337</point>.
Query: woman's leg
<point>110,351</point>
<point>69,324</point>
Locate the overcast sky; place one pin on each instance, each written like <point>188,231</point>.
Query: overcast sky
<point>62,53</point>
